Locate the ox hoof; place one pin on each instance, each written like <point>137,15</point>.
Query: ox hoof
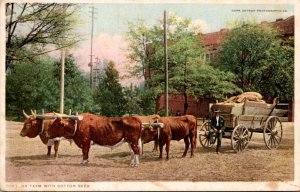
<point>133,164</point>
<point>85,162</point>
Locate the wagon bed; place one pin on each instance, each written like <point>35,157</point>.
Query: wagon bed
<point>244,119</point>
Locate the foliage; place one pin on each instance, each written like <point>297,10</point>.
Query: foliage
<point>185,58</point>
<point>31,86</point>
<point>37,86</point>
<point>132,100</point>
<point>34,29</point>
<point>78,95</point>
<point>257,56</point>
<point>109,93</point>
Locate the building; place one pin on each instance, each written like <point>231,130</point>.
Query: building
<point>212,41</point>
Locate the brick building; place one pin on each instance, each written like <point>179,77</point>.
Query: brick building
<point>212,41</point>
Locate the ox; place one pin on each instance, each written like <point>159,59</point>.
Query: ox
<point>148,119</point>
<point>175,128</point>
<point>104,131</point>
<point>34,126</point>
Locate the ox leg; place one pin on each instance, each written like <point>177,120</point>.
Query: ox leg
<point>140,146</point>
<point>161,147</point>
<point>49,151</point>
<point>155,145</point>
<point>131,155</point>
<point>187,145</point>
<point>193,138</point>
<point>49,145</point>
<point>168,148</point>
<point>135,154</point>
<point>56,145</point>
<point>85,152</point>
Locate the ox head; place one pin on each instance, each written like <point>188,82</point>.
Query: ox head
<point>149,134</point>
<point>32,126</point>
<point>61,128</point>
<point>155,118</point>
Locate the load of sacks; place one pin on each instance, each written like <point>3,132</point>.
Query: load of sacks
<point>250,96</point>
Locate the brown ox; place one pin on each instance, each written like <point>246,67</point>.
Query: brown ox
<point>105,131</point>
<point>175,128</point>
<point>33,127</point>
<point>148,119</point>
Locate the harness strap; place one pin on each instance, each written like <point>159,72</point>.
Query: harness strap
<point>158,132</point>
<point>75,127</point>
<point>43,127</point>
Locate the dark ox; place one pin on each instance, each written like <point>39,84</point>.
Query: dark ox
<point>175,128</point>
<point>104,131</point>
<point>33,127</point>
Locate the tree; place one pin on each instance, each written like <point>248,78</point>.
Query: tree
<point>185,56</point>
<point>78,95</point>
<point>132,100</point>
<point>109,93</point>
<point>31,86</point>
<point>257,56</point>
<point>34,29</point>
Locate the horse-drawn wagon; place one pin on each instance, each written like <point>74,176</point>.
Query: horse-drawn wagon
<point>242,120</point>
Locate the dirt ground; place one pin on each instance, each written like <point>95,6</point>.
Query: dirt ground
<point>26,161</point>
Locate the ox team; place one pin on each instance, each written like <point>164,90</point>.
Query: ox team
<point>86,129</point>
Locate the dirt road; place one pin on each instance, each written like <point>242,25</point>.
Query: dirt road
<point>26,161</point>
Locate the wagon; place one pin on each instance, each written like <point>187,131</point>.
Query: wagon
<point>241,121</point>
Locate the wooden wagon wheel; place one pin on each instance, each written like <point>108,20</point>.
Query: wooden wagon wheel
<point>273,132</point>
<point>204,135</point>
<point>240,138</point>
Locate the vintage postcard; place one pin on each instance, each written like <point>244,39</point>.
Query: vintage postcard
<point>146,95</point>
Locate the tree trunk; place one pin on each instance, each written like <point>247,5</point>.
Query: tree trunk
<point>185,101</point>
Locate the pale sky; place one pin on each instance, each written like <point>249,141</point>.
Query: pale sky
<point>111,21</point>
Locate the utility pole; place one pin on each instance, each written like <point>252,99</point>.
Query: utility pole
<point>91,55</point>
<point>62,81</point>
<point>166,64</point>
<point>62,74</point>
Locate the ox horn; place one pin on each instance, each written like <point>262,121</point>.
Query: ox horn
<point>58,115</point>
<point>33,114</point>
<point>27,116</point>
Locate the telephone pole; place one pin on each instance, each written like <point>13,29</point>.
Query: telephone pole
<point>166,65</point>
<point>62,74</point>
<point>91,55</point>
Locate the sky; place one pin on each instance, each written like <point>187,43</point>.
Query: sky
<point>111,20</point>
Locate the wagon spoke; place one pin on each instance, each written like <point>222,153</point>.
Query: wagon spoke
<point>269,140</point>
<point>205,142</point>
<point>242,146</point>
<point>275,142</point>
<point>279,137</point>
<point>275,139</point>
<point>204,138</point>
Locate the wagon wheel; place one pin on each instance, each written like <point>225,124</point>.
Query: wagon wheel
<point>204,135</point>
<point>240,138</point>
<point>250,136</point>
<point>273,132</point>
